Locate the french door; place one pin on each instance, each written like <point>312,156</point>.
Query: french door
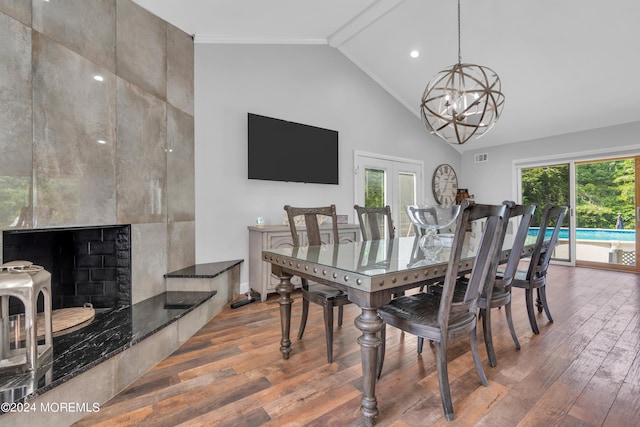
<point>384,180</point>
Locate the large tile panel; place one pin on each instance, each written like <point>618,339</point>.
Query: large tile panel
<point>72,113</point>
<point>180,166</point>
<point>181,246</point>
<point>141,48</point>
<point>19,9</point>
<point>149,260</point>
<point>91,32</point>
<point>142,166</point>
<point>131,364</point>
<point>179,69</point>
<point>15,121</point>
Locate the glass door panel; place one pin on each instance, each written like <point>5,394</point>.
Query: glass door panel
<point>407,193</point>
<point>374,187</point>
<point>549,185</point>
<point>375,193</point>
<point>606,212</point>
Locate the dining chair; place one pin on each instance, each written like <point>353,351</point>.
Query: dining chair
<point>497,289</point>
<point>535,277</point>
<point>436,317</point>
<point>496,292</point>
<point>373,221</point>
<point>317,293</point>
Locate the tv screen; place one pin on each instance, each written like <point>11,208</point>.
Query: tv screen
<point>286,151</point>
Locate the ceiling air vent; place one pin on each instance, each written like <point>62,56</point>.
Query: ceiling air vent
<point>481,158</point>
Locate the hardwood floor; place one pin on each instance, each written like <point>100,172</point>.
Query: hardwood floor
<point>582,370</point>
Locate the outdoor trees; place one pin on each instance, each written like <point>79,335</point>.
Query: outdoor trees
<point>603,189</point>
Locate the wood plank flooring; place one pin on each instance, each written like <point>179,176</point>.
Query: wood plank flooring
<point>582,370</point>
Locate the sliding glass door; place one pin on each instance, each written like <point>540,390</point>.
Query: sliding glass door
<point>603,198</point>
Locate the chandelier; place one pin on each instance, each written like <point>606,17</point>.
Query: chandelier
<point>462,101</point>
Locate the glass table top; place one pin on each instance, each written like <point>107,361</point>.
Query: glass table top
<point>373,257</point>
<point>376,257</point>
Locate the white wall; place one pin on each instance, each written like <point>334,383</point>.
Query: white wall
<point>314,85</point>
<point>493,181</point>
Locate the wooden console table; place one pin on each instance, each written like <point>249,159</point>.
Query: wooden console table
<point>279,236</point>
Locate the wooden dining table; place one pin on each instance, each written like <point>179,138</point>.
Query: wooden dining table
<point>370,272</point>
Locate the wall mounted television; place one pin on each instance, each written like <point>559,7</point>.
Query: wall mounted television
<point>280,150</point>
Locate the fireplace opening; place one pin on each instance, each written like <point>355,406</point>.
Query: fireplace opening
<point>88,265</point>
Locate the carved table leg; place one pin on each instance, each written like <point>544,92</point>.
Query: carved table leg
<point>285,288</point>
<point>370,324</point>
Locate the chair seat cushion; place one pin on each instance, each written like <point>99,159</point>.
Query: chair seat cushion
<point>418,314</point>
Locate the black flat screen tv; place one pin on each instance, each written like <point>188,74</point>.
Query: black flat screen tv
<point>286,151</point>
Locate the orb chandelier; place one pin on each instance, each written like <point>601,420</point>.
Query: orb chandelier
<point>462,101</point>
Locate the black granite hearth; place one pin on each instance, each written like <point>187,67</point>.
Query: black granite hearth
<point>109,334</point>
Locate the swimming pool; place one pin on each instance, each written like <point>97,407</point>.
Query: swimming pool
<point>592,234</point>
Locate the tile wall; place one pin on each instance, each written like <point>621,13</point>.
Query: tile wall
<point>96,127</point>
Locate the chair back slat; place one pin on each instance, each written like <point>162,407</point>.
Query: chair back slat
<point>525,213</point>
<point>313,229</point>
<point>553,216</point>
<point>374,228</point>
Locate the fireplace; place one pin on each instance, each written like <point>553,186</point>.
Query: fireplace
<point>87,264</point>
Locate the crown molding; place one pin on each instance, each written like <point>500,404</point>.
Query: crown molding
<point>220,39</point>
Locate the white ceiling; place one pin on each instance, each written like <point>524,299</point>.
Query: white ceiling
<point>565,65</point>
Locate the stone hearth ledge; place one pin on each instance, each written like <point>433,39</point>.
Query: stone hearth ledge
<point>95,363</point>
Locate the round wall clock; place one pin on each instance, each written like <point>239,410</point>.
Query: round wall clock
<point>445,185</point>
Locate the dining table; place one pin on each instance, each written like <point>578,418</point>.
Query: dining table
<point>370,273</point>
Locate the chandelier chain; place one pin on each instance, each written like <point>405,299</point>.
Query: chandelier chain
<point>459,54</point>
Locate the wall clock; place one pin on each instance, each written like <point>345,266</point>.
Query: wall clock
<point>445,185</point>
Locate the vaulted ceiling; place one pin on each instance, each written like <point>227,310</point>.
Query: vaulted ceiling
<point>565,66</point>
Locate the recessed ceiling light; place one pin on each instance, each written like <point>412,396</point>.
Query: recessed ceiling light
<point>98,78</point>
<point>414,53</point>
<point>102,141</point>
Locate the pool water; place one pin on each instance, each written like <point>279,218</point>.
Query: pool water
<point>593,234</point>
